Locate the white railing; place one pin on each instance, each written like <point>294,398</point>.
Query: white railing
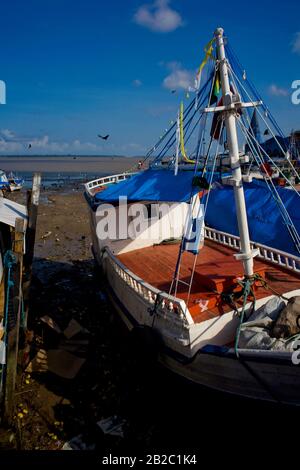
<point>163,303</point>
<point>91,186</point>
<point>271,255</point>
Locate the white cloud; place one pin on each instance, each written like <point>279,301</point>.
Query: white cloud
<point>296,43</point>
<point>277,91</point>
<point>158,17</point>
<point>6,134</point>
<point>137,83</point>
<point>10,143</point>
<point>179,77</point>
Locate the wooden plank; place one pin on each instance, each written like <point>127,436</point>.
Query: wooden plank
<point>33,196</point>
<point>156,266</point>
<point>13,301</point>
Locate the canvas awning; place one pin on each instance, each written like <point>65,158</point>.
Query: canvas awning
<point>10,211</point>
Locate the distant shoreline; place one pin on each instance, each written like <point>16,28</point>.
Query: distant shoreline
<point>86,164</point>
<point>66,156</point>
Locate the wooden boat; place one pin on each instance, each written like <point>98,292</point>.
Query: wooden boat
<point>187,305</point>
<point>11,182</point>
<point>15,183</point>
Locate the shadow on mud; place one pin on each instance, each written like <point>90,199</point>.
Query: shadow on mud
<point>161,411</point>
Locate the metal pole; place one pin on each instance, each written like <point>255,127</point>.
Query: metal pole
<point>246,254</point>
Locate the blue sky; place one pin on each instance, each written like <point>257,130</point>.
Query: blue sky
<point>76,69</point>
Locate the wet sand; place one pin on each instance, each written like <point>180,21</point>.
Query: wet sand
<point>80,164</point>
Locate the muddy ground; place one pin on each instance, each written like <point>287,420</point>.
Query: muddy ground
<point>159,410</point>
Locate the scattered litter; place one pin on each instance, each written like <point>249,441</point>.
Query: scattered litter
<point>20,415</point>
<point>25,411</point>
<point>59,424</point>
<point>39,363</point>
<point>58,361</point>
<point>72,329</point>
<point>63,363</point>
<point>112,425</point>
<point>50,322</point>
<point>77,443</point>
<point>57,240</point>
<point>46,235</point>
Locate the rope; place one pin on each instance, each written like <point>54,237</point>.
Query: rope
<point>201,95</point>
<point>9,261</point>
<point>234,59</point>
<point>247,289</point>
<point>246,283</point>
<point>284,213</point>
<point>262,117</point>
<point>181,133</point>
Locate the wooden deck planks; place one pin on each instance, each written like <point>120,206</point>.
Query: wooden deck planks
<point>156,266</point>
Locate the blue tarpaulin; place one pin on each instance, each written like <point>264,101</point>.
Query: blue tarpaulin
<point>152,185</point>
<point>266,224</point>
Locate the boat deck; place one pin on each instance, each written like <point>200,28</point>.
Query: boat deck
<point>216,270</point>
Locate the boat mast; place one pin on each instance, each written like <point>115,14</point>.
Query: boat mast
<point>246,254</point>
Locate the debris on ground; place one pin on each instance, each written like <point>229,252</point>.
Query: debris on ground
<point>46,235</point>
<point>50,322</point>
<point>39,363</point>
<point>63,363</point>
<point>73,329</point>
<point>77,443</point>
<point>112,425</point>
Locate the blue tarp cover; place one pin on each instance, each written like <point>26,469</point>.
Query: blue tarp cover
<point>266,225</point>
<point>152,185</point>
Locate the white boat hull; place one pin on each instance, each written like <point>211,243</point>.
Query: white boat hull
<point>262,375</point>
<point>195,350</point>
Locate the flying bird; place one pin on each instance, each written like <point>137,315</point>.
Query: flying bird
<point>173,91</point>
<point>104,137</point>
<point>29,146</point>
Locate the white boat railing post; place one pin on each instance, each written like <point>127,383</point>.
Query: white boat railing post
<point>246,254</point>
